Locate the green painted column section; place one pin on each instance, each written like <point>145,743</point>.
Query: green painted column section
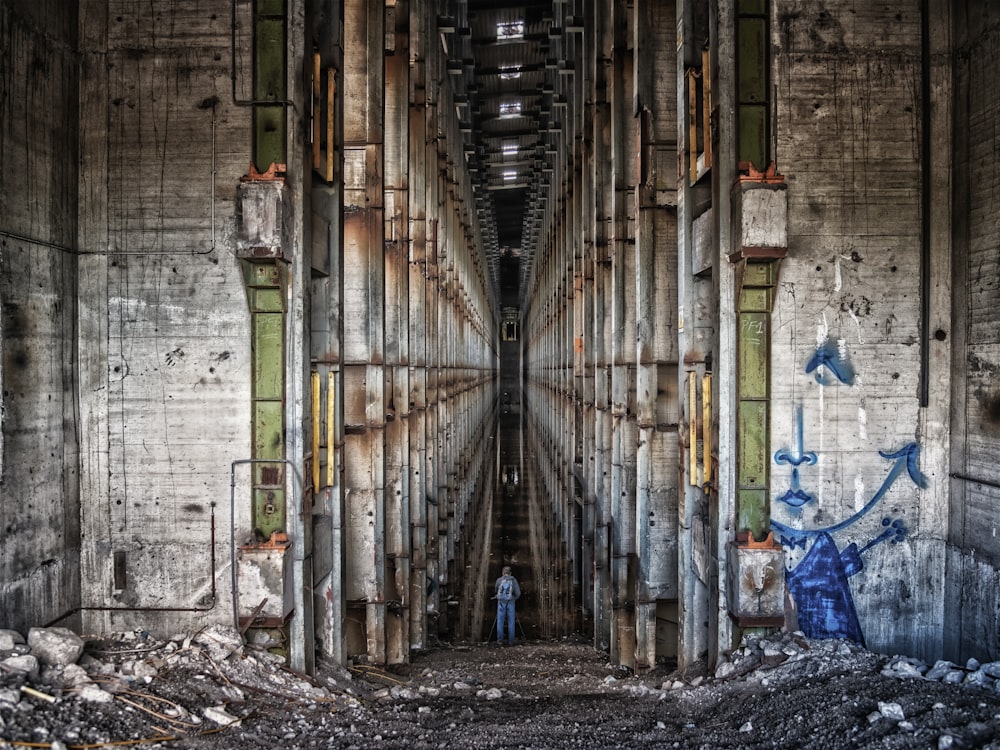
<point>267,326</point>
<point>753,396</point>
<point>269,84</point>
<point>753,83</point>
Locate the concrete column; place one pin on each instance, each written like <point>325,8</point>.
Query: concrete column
<point>364,327</point>
<point>656,355</point>
<point>622,346</point>
<point>397,311</point>
<point>602,324</point>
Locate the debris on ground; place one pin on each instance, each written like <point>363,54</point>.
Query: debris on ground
<point>211,690</point>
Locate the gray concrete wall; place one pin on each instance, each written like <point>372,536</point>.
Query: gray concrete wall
<point>866,535</point>
<point>39,492</point>
<point>167,406</point>
<point>974,550</point>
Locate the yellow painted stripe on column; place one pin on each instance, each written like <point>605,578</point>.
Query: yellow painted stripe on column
<point>706,430</point>
<point>693,429</point>
<point>331,423</point>
<point>314,378</point>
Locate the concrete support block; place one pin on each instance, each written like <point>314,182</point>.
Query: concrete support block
<point>761,216</point>
<point>757,583</point>
<point>265,582</point>
<point>260,215</point>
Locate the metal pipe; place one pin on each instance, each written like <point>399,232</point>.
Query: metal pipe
<point>977,480</point>
<point>925,203</point>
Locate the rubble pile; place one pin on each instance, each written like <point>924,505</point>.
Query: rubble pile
<point>61,691</point>
<point>211,691</point>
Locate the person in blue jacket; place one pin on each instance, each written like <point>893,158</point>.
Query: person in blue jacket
<point>506,591</point>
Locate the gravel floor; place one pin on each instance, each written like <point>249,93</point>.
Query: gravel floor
<point>206,690</point>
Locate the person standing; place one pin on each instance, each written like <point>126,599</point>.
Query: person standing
<point>506,592</point>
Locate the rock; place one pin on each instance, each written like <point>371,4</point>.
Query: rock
<point>218,715</point>
<point>55,646</point>
<point>891,710</point>
<point>75,676</point>
<point>972,664</point>
<point>945,741</point>
<point>9,639</point>
<point>903,670</point>
<point>26,664</point>
<point>939,670</point>
<point>978,678</point>
<point>992,669</point>
<point>747,727</point>
<point>491,695</point>
<point>93,694</point>
<point>221,642</point>
<point>403,693</point>
<point>724,670</point>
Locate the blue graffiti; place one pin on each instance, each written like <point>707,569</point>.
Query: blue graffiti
<point>829,358</point>
<point>819,583</point>
<point>822,594</point>
<point>795,496</point>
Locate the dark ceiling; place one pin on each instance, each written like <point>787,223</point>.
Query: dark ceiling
<point>507,67</point>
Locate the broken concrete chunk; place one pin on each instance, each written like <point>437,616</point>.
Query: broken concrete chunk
<point>55,646</point>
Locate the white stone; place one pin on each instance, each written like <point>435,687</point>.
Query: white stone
<point>75,676</point>
<point>724,670</point>
<point>12,635</point>
<point>747,727</point>
<point>93,694</point>
<point>218,715</point>
<point>22,664</point>
<point>891,710</point>
<point>56,646</point>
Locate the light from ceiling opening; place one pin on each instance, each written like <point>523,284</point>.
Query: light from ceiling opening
<point>510,30</point>
<point>510,109</point>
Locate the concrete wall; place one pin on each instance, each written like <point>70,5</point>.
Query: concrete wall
<point>39,493</point>
<point>974,549</point>
<point>864,537</point>
<point>165,385</point>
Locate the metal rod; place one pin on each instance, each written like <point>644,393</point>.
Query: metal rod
<point>76,610</point>
<point>977,480</point>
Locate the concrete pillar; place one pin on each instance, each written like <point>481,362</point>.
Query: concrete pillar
<point>397,311</point>
<point>364,327</point>
<point>656,305</point>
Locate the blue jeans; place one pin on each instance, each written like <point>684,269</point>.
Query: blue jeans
<point>505,614</point>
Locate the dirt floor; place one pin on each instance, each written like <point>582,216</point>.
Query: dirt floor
<point>207,690</point>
